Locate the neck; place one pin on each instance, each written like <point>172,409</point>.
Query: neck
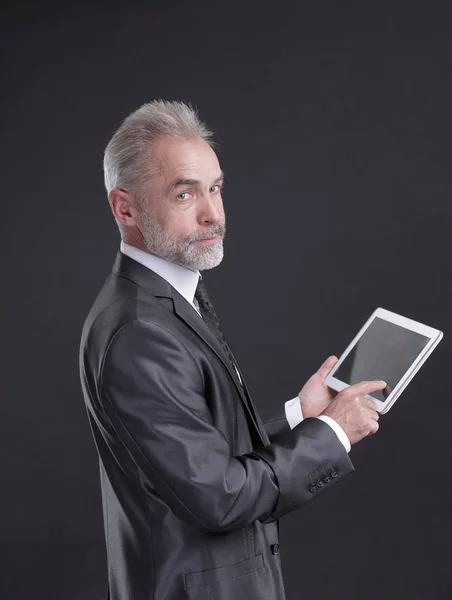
<point>134,240</point>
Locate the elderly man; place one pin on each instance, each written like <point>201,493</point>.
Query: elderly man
<point>193,482</point>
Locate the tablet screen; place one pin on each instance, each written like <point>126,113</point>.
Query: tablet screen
<point>384,351</point>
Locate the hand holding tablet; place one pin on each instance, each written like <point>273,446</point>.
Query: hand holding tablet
<point>354,411</point>
<point>388,347</point>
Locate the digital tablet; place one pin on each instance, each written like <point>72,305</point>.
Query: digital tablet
<point>388,347</point>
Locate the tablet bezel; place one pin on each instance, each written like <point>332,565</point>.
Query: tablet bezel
<point>434,336</point>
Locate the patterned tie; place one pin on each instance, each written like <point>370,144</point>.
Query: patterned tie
<point>210,317</point>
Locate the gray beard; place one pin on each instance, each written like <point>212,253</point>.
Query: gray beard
<point>184,252</point>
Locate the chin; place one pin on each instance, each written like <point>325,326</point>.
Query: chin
<point>209,260</point>
<point>212,265</point>
<point>198,259</point>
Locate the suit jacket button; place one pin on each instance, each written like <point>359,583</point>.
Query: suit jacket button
<point>274,548</point>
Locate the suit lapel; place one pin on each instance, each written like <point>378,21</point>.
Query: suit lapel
<point>188,314</point>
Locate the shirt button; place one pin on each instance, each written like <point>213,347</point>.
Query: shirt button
<point>274,548</point>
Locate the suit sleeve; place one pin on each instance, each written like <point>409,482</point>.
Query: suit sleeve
<point>153,393</point>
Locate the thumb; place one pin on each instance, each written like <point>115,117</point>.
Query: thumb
<point>328,365</point>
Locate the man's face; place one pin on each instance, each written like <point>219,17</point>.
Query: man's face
<point>183,205</point>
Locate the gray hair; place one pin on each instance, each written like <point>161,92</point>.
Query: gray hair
<point>127,163</point>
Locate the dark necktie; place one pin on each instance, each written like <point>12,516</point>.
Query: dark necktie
<point>210,317</point>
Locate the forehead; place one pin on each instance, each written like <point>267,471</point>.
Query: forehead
<point>176,156</point>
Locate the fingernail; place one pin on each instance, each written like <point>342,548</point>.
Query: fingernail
<point>383,383</point>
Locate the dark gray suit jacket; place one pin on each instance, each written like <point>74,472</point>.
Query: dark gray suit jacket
<point>190,506</point>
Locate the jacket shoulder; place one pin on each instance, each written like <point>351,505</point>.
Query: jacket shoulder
<point>119,302</point>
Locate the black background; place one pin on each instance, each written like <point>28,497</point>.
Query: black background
<point>333,120</point>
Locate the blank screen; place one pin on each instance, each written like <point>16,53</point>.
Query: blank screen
<point>385,351</point>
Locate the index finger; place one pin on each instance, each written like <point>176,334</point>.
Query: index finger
<point>366,387</point>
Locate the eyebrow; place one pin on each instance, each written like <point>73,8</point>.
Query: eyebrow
<point>185,181</point>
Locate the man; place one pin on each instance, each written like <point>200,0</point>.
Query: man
<point>193,482</point>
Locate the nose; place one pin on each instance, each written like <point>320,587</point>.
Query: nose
<point>211,210</point>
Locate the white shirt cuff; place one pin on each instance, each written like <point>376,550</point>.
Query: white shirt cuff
<point>294,416</point>
<point>343,438</point>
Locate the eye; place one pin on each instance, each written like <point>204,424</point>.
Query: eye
<point>182,194</point>
<point>220,187</point>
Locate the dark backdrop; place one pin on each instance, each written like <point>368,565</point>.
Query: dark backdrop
<point>333,120</point>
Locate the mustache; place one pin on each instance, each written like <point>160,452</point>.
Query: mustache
<point>219,230</point>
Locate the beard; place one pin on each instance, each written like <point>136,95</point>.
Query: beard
<point>185,252</point>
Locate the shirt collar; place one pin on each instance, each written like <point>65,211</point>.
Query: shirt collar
<point>184,280</point>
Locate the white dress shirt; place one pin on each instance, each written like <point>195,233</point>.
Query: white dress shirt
<point>185,281</point>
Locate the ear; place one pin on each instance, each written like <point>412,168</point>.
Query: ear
<point>124,207</point>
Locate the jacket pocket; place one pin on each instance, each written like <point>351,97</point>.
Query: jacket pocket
<point>227,573</point>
